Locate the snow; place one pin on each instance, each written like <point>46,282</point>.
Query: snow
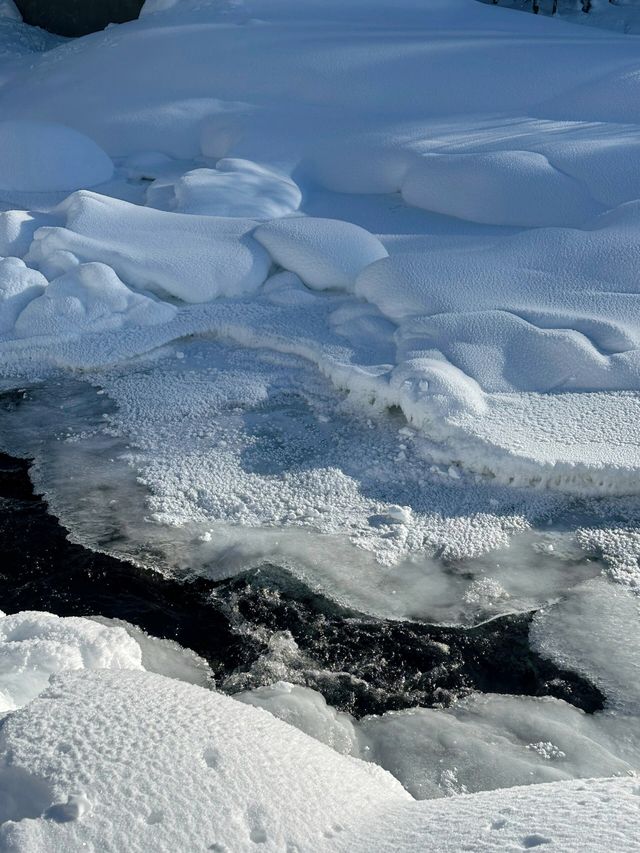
<point>90,297</point>
<point>34,645</point>
<point>355,292</point>
<point>216,256</point>
<point>573,817</point>
<point>159,765</point>
<point>18,286</point>
<point>38,156</point>
<point>327,254</point>
<point>237,188</point>
<point>498,188</point>
<point>100,753</point>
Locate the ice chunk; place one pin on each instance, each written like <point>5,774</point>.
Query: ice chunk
<point>237,188</point>
<point>18,286</point>
<point>325,253</point>
<point>194,258</point>
<point>34,645</point>
<point>490,741</point>
<point>37,156</point>
<point>498,187</point>
<point>89,298</point>
<point>164,656</point>
<point>308,711</point>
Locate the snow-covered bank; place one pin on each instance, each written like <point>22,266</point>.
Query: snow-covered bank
<point>466,328</point>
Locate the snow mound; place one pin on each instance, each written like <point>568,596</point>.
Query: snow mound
<point>37,156</point>
<point>193,258</point>
<point>89,298</point>
<point>237,188</point>
<point>137,761</point>
<point>326,253</point>
<point>18,286</point>
<point>498,188</point>
<point>34,645</point>
<point>355,167</point>
<point>17,228</point>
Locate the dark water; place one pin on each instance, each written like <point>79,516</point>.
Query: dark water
<point>360,664</point>
<point>77,17</point>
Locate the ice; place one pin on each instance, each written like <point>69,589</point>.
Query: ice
<point>499,188</point>
<point>487,741</point>
<point>596,631</point>
<point>308,711</point>
<point>38,156</point>
<point>193,258</point>
<point>35,645</point>
<point>183,767</point>
<point>163,656</point>
<point>327,254</point>
<point>88,298</point>
<point>237,188</point>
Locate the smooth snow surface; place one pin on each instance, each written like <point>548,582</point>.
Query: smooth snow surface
<point>38,156</point>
